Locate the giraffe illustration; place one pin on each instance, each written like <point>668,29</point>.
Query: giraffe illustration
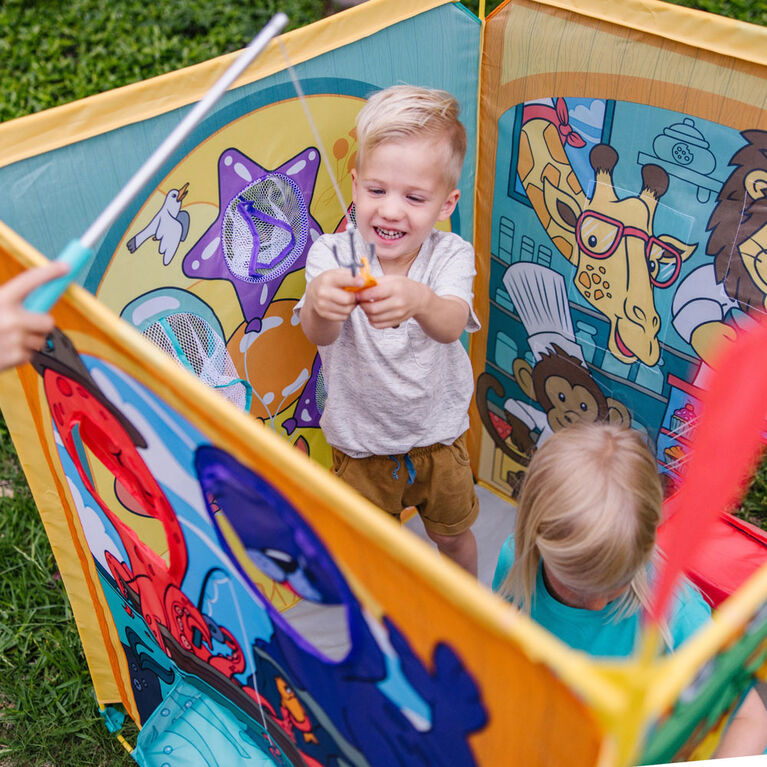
<point>619,261</point>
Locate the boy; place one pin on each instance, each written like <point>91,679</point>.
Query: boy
<point>399,381</point>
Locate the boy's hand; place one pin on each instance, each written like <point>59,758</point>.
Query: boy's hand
<point>393,301</point>
<point>396,299</point>
<point>327,297</point>
<point>23,332</point>
<point>327,304</point>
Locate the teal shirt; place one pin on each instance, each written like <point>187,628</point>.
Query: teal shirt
<point>593,631</point>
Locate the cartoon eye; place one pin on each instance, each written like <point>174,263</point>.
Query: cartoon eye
<point>276,564</point>
<point>584,407</point>
<point>561,396</point>
<point>301,582</point>
<point>662,263</point>
<point>284,561</point>
<point>659,254</point>
<point>597,236</point>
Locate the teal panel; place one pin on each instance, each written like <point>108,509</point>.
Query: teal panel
<point>54,197</point>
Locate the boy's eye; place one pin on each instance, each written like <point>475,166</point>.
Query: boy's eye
<point>414,198</point>
<point>374,190</point>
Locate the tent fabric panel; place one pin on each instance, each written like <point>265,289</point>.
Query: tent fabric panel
<point>42,132</point>
<point>689,26</point>
<point>55,504</point>
<point>509,659</point>
<point>551,70</point>
<point>87,173</point>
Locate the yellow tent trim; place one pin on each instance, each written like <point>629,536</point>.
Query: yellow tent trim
<point>675,672</point>
<point>42,132</point>
<point>699,29</point>
<point>94,621</point>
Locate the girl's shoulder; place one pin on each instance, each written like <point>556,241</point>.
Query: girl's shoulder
<point>689,611</point>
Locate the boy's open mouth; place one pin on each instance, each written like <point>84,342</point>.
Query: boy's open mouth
<point>388,234</point>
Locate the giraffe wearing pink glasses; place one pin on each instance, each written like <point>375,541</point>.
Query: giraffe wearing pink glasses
<point>619,260</point>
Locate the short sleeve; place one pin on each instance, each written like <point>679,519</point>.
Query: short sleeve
<point>699,299</point>
<point>454,274</point>
<point>319,259</point>
<point>505,561</point>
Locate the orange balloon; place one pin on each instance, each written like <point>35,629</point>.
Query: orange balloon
<point>276,360</point>
<point>340,148</point>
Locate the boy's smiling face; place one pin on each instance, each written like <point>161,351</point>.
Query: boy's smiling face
<point>400,192</point>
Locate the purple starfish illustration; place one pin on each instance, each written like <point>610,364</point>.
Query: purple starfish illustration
<point>263,230</point>
<point>311,402</point>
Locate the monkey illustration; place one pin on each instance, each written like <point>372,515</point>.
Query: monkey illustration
<point>564,391</point>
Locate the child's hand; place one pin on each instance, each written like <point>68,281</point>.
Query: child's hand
<point>327,296</point>
<point>23,332</point>
<point>394,300</point>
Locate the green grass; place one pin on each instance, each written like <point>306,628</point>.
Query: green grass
<point>48,712</point>
<point>52,52</point>
<point>754,11</point>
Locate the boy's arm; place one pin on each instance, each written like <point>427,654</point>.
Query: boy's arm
<point>443,318</point>
<point>746,734</point>
<point>396,299</point>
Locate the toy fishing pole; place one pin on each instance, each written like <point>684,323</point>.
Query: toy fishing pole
<point>362,265</point>
<point>78,252</point>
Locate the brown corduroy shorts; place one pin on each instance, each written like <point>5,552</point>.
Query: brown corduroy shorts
<point>436,479</point>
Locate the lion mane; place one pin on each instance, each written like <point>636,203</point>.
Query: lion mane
<point>737,217</point>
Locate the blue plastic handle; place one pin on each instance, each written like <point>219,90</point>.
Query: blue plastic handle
<point>43,298</point>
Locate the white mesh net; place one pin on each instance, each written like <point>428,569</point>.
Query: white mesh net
<point>264,229</point>
<point>192,342</point>
<point>320,392</point>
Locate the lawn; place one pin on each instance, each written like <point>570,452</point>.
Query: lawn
<point>52,53</point>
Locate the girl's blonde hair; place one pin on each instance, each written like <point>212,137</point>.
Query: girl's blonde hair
<point>406,112</point>
<point>590,507</point>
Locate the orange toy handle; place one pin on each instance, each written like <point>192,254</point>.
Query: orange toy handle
<point>370,281</point>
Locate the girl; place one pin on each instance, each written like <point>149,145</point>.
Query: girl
<point>583,549</point>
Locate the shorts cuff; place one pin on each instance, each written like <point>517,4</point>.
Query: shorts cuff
<point>456,528</point>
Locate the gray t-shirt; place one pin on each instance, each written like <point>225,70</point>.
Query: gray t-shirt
<point>395,389</point>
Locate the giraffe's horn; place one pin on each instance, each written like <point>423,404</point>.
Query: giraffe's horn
<point>654,185</point>
<point>603,158</point>
<point>654,180</point>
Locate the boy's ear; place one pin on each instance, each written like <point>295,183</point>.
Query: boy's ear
<point>354,182</point>
<point>448,206</point>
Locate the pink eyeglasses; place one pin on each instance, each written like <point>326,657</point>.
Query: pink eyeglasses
<point>602,244</point>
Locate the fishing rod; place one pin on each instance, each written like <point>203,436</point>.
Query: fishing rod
<point>79,251</point>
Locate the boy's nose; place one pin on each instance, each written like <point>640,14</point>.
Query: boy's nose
<point>390,208</point>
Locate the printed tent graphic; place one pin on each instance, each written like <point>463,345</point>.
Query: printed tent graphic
<point>240,603</point>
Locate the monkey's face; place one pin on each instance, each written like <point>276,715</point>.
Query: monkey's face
<point>569,403</point>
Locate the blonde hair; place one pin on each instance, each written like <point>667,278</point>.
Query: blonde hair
<point>405,112</point>
<point>590,507</point>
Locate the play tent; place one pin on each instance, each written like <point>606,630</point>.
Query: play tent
<point>242,605</point>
